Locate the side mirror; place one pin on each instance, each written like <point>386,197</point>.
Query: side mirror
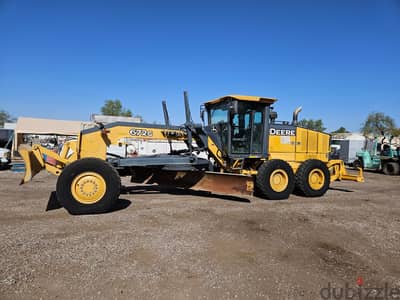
<point>273,115</point>
<point>202,110</point>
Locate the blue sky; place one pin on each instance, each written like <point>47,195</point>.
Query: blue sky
<point>338,59</point>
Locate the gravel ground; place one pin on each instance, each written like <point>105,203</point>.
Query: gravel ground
<point>175,245</point>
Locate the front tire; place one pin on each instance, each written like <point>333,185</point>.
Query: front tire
<point>312,178</point>
<point>275,180</point>
<point>358,163</point>
<point>88,186</point>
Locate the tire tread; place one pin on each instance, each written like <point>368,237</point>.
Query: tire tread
<point>109,174</point>
<point>302,186</point>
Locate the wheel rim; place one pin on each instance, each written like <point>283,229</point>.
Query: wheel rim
<point>88,187</point>
<point>279,180</point>
<point>316,179</point>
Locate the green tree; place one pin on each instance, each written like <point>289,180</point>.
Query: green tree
<point>114,108</point>
<point>5,117</point>
<point>312,124</point>
<point>378,124</point>
<point>396,132</point>
<point>341,129</point>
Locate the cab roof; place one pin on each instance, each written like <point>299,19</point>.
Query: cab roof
<point>243,98</point>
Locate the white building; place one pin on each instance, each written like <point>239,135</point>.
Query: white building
<point>110,119</point>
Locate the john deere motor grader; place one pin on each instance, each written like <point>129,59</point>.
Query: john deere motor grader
<point>248,151</point>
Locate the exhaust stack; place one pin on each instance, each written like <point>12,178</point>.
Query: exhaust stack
<point>189,122</point>
<point>296,115</point>
<point>165,111</point>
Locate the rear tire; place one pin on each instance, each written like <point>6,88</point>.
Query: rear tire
<point>312,178</point>
<point>88,186</point>
<point>275,180</point>
<point>391,168</point>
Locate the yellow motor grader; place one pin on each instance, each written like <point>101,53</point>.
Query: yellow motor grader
<point>248,151</point>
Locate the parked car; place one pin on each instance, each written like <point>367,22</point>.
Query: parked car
<point>6,137</point>
<point>5,158</point>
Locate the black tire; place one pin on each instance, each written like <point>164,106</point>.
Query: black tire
<point>358,163</point>
<point>391,168</point>
<point>312,167</point>
<point>106,179</point>
<point>265,189</point>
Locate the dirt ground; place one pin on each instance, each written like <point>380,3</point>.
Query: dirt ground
<point>175,245</point>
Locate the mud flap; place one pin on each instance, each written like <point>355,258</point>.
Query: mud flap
<point>34,162</point>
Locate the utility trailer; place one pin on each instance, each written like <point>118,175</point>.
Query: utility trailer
<point>346,149</point>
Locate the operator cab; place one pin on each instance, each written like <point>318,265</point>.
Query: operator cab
<point>240,123</point>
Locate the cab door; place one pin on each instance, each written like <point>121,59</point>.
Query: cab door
<point>247,132</point>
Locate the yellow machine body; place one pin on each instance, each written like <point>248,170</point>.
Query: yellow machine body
<point>91,143</point>
<point>267,158</point>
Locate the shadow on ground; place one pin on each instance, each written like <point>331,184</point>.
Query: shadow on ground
<point>148,189</point>
<point>53,203</point>
<point>341,190</point>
